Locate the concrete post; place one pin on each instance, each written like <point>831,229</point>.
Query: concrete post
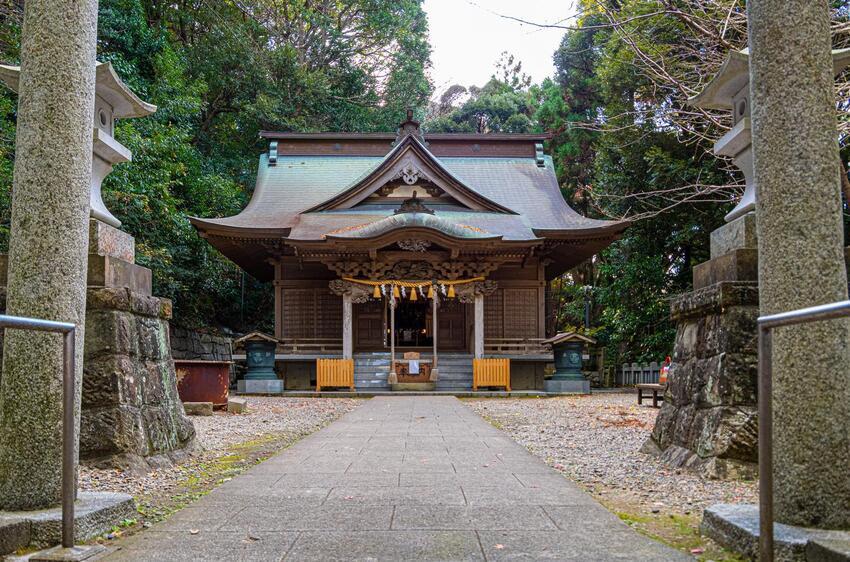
<point>48,249</point>
<point>347,336</point>
<point>479,326</point>
<point>801,255</point>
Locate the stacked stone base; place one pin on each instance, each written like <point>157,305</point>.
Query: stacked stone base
<point>132,416</point>
<point>709,420</point>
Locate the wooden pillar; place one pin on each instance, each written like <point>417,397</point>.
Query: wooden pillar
<point>479,326</point>
<point>393,378</point>
<point>434,330</point>
<point>278,300</point>
<point>347,335</point>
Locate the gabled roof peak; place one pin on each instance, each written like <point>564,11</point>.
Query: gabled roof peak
<point>411,162</point>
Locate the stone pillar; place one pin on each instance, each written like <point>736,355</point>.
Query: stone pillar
<point>801,255</point>
<point>347,337</point>
<point>479,325</point>
<point>49,242</point>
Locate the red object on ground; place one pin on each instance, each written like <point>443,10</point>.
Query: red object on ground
<point>203,381</point>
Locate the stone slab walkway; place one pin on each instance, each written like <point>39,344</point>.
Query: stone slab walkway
<point>419,478</point>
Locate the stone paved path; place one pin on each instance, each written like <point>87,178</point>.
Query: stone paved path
<point>417,478</point>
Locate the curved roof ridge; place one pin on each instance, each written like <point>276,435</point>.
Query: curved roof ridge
<point>407,220</point>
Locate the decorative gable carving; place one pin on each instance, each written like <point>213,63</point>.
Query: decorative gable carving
<point>409,164</point>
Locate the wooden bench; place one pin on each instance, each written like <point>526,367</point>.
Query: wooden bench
<point>655,388</point>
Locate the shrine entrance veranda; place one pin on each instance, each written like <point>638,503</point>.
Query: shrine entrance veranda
<point>414,326</point>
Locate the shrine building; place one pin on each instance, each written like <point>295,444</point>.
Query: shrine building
<point>387,243</point>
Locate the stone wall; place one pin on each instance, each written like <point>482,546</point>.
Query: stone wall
<point>131,413</point>
<point>709,419</point>
<point>190,344</point>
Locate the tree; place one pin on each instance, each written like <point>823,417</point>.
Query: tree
<point>220,71</point>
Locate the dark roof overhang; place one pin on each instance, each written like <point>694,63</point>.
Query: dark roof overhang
<point>249,248</point>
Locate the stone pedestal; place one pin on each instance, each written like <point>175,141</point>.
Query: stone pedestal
<point>557,386</point>
<point>709,420</point>
<point>132,416</point>
<point>262,386</point>
<point>95,513</point>
<point>131,413</point>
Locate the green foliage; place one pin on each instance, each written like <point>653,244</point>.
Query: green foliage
<point>505,104</point>
<point>219,73</point>
<point>614,159</point>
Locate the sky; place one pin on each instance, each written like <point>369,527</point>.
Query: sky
<point>468,36</point>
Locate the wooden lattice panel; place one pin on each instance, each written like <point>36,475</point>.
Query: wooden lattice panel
<point>520,313</point>
<point>494,314</point>
<point>328,321</point>
<point>298,313</point>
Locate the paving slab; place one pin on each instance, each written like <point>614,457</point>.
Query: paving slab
<point>414,477</point>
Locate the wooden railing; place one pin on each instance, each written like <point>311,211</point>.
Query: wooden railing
<point>334,372</point>
<point>515,346</point>
<point>308,346</point>
<point>491,372</point>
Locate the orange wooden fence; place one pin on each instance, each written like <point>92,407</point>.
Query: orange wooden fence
<point>334,372</point>
<point>491,372</point>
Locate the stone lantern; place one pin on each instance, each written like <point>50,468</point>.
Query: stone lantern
<point>127,327</point>
<point>260,357</point>
<point>730,90</point>
<point>709,420</point>
<point>568,347</point>
<point>113,100</point>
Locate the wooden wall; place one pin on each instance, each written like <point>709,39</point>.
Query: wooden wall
<point>306,309</point>
<point>516,309</point>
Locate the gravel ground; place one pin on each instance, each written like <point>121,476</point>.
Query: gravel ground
<point>287,419</point>
<point>595,441</point>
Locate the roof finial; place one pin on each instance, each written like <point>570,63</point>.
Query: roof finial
<point>409,127</point>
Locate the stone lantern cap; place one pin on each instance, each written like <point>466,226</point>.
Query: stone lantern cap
<point>735,74</point>
<point>563,337</point>
<point>255,336</point>
<point>113,100</point>
<point>108,86</point>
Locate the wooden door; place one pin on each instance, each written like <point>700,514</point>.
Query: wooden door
<point>369,326</point>
<point>451,320</point>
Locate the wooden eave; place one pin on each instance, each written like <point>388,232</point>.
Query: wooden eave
<point>207,229</point>
<point>467,245</point>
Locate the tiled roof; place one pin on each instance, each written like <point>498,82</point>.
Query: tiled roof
<point>297,183</point>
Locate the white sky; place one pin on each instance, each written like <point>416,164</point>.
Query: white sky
<point>468,36</point>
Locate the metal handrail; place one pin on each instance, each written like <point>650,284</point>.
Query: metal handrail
<point>765,384</point>
<point>68,427</point>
